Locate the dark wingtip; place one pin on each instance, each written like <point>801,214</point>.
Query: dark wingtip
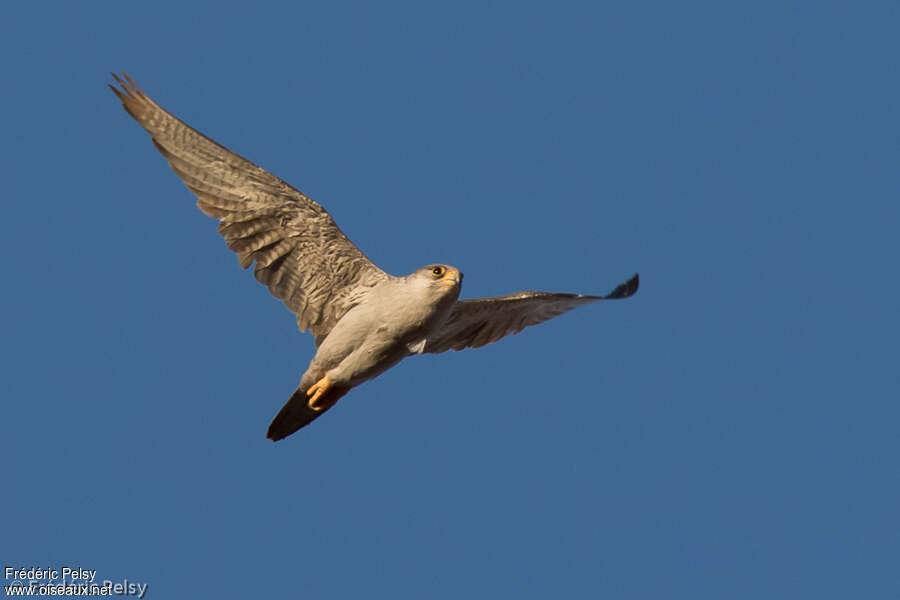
<point>120,89</point>
<point>625,290</point>
<point>127,88</point>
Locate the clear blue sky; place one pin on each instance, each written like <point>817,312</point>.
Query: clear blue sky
<point>729,432</point>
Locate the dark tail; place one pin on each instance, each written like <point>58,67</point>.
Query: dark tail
<point>296,412</point>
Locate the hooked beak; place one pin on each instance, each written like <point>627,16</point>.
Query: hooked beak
<point>453,277</point>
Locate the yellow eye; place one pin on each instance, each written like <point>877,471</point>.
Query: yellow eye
<point>438,271</point>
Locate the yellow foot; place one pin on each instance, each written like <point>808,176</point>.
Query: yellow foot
<point>316,391</point>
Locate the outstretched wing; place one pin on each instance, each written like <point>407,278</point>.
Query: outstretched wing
<point>300,253</point>
<point>475,323</point>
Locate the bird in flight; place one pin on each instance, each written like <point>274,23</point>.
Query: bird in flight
<point>364,320</point>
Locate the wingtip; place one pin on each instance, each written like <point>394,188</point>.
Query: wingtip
<point>127,88</point>
<point>624,290</point>
<point>119,88</point>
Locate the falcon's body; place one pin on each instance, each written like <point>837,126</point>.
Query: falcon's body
<point>369,340</point>
<point>364,320</point>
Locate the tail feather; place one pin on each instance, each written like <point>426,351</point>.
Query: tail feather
<point>296,412</point>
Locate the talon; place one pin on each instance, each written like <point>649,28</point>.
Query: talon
<point>316,391</point>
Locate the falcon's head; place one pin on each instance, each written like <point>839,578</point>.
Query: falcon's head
<point>440,280</point>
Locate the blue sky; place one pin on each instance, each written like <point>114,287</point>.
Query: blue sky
<point>729,432</point>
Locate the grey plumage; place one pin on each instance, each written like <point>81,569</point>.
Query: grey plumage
<point>301,254</point>
<point>364,320</point>
<point>476,323</point>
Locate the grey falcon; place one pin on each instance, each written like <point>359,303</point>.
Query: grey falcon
<point>364,320</point>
